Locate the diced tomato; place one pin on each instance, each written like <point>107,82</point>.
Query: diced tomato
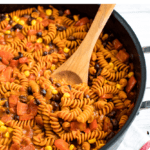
<point>2,66</point>
<point>37,46</point>
<point>15,146</point>
<point>32,77</point>
<point>77,126</point>
<point>87,130</point>
<point>45,22</point>
<point>32,32</point>
<point>82,21</point>
<point>5,61</point>
<point>29,147</point>
<point>117,44</point>
<point>20,35</point>
<point>6,55</point>
<point>107,125</point>
<point>93,125</point>
<point>13,100</point>
<point>39,120</point>
<point>61,144</point>
<point>6,117</point>
<point>122,56</point>
<point>131,83</point>
<point>67,12</point>
<point>26,117</point>
<point>23,60</point>
<point>8,73</point>
<point>22,108</point>
<point>29,45</point>
<point>42,15</point>
<point>14,63</point>
<point>32,108</point>
<point>107,96</point>
<point>28,132</point>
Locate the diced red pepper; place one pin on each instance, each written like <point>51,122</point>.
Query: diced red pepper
<point>29,45</point>
<point>87,130</point>
<point>14,63</point>
<point>32,32</point>
<point>74,126</point>
<point>26,117</point>
<point>67,12</point>
<point>39,120</point>
<point>42,15</point>
<point>61,144</point>
<point>31,77</point>
<point>122,56</point>
<point>22,108</point>
<point>117,44</point>
<point>33,108</point>
<point>6,117</point>
<point>45,22</point>
<point>20,35</point>
<point>8,73</point>
<point>107,96</point>
<point>93,125</point>
<point>82,21</point>
<point>23,60</point>
<point>6,55</point>
<point>5,61</point>
<point>2,66</point>
<point>15,146</point>
<point>13,100</point>
<point>131,83</point>
<point>37,46</point>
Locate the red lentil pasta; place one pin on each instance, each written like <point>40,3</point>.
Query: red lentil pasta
<point>37,112</point>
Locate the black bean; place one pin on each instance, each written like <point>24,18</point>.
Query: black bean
<point>43,129</point>
<point>18,26</point>
<point>43,91</point>
<point>64,28</point>
<point>61,121</point>
<point>51,79</point>
<point>20,54</point>
<point>97,66</point>
<point>55,106</point>
<point>45,53</point>
<point>87,96</point>
<point>7,111</point>
<point>50,44</point>
<point>39,34</point>
<point>29,20</point>
<point>69,87</point>
<point>112,114</point>
<point>51,17</point>
<point>30,91</point>
<point>10,22</point>
<point>3,18</point>
<point>110,136</point>
<point>71,38</point>
<point>12,29</point>
<point>61,13</point>
<point>3,98</point>
<point>37,102</point>
<point>16,117</point>
<point>115,124</point>
<point>108,60</point>
<point>104,44</point>
<point>58,84</point>
<point>2,15</point>
<point>26,16</point>
<point>16,58</point>
<point>35,10</point>
<point>6,104</point>
<point>51,51</point>
<point>57,97</point>
<point>0,58</point>
<point>99,72</point>
<point>22,96</point>
<point>70,17</point>
<point>60,28</point>
<point>109,100</point>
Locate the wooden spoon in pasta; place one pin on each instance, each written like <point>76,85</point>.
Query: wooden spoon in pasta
<point>75,69</point>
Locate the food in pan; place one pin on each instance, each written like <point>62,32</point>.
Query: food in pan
<point>40,112</point>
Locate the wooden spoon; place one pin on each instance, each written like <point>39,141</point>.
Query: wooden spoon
<point>75,69</point>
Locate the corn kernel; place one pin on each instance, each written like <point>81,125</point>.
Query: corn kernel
<point>111,64</point>
<point>54,91</point>
<point>66,95</point>
<point>6,15</point>
<point>27,73</point>
<point>51,87</point>
<point>14,18</point>
<point>115,68</point>
<point>1,123</point>
<point>7,32</point>
<point>106,81</point>
<point>39,18</point>
<point>53,67</point>
<point>118,86</point>
<point>21,22</point>
<point>3,128</point>
<point>66,50</point>
<point>92,141</point>
<point>48,12</point>
<point>33,22</point>
<point>39,40</point>
<point>10,129</point>
<point>71,147</point>
<point>7,19</point>
<point>17,20</point>
<point>38,82</point>
<point>48,148</point>
<point>14,23</point>
<point>47,46</point>
<point>6,135</point>
<point>76,17</point>
<point>130,74</point>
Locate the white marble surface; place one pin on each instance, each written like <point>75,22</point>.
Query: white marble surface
<point>138,17</point>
